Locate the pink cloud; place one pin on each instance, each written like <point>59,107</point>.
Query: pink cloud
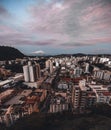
<point>75,22</point>
<point>98,16</point>
<point>9,36</point>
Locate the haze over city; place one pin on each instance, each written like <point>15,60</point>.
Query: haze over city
<point>56,26</point>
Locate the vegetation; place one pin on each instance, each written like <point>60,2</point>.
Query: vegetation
<point>99,119</point>
<point>9,53</point>
<point>15,68</point>
<point>63,122</point>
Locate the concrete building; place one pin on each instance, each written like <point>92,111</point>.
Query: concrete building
<point>51,67</point>
<point>87,68</point>
<point>42,94</point>
<point>4,96</point>
<point>82,97</point>
<point>47,64</point>
<point>38,71</point>
<point>75,97</point>
<point>99,74</point>
<point>77,72</point>
<point>29,63</point>
<point>26,73</point>
<point>32,104</point>
<point>107,76</point>
<point>31,73</point>
<point>90,99</point>
<point>82,83</point>
<point>58,104</point>
<point>4,72</point>
<point>102,75</point>
<point>62,85</point>
<point>103,95</point>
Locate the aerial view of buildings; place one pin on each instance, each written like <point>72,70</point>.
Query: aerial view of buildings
<point>55,64</point>
<point>66,83</point>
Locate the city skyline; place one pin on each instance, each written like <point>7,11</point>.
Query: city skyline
<point>56,26</point>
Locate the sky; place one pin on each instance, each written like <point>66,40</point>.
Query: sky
<point>56,26</point>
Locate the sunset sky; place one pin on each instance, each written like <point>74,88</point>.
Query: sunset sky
<point>56,26</point>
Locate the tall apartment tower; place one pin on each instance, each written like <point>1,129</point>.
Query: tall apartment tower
<point>29,63</point>
<point>79,95</point>
<point>47,64</point>
<point>51,67</point>
<point>26,73</point>
<point>38,72</point>
<point>77,72</point>
<point>87,68</point>
<point>31,72</point>
<point>75,98</point>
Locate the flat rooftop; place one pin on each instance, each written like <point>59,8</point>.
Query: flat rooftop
<point>16,99</point>
<point>5,82</point>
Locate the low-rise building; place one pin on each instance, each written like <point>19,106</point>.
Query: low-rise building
<point>58,104</point>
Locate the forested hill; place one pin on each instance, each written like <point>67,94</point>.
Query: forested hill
<point>98,119</point>
<point>9,53</point>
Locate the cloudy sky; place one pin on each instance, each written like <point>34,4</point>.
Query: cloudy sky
<point>56,26</point>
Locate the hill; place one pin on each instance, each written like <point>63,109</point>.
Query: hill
<point>98,119</point>
<point>9,53</point>
<point>59,121</point>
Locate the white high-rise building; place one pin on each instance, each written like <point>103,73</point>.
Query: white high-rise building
<point>51,67</point>
<point>26,73</point>
<point>47,64</point>
<point>32,73</point>
<point>29,63</point>
<point>57,64</point>
<point>87,68</point>
<point>77,72</point>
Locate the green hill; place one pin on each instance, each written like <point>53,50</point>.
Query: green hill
<point>9,53</point>
<point>62,122</point>
<point>98,119</point>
